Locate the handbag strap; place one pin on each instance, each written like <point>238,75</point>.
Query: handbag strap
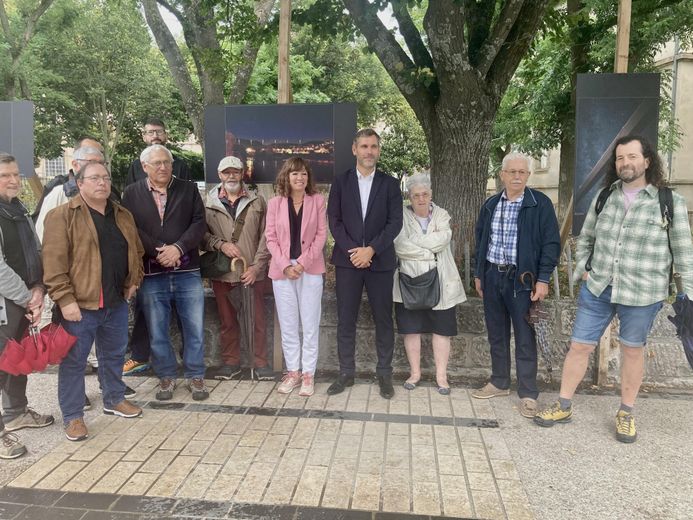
<point>239,223</point>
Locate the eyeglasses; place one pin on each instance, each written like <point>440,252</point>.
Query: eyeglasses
<point>159,164</point>
<point>98,179</point>
<point>513,173</point>
<point>154,132</point>
<point>233,172</point>
<point>91,161</point>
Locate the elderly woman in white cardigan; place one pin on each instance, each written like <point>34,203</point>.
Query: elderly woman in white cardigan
<point>423,243</point>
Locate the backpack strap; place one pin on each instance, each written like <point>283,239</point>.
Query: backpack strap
<point>598,207</point>
<point>666,208</point>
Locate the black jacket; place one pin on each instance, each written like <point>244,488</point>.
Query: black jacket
<point>137,173</point>
<point>382,224</point>
<point>538,239</point>
<point>184,221</point>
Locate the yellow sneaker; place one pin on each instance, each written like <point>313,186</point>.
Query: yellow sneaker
<point>553,415</point>
<point>132,367</point>
<point>625,427</point>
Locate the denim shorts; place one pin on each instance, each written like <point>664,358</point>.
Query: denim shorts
<point>595,313</point>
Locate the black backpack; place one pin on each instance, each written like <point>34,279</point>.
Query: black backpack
<point>666,208</point>
<point>58,180</point>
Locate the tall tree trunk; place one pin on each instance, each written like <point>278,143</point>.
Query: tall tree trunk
<point>459,163</point>
<point>579,47</point>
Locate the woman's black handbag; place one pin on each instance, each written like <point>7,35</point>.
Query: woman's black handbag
<point>420,292</point>
<point>214,264</point>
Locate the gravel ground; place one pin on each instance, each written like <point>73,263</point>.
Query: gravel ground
<point>579,470</point>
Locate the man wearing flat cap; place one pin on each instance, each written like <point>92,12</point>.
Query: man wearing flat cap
<point>236,227</point>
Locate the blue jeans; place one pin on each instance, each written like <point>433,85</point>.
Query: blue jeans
<point>503,306</point>
<point>109,327</point>
<point>594,313</point>
<point>156,294</point>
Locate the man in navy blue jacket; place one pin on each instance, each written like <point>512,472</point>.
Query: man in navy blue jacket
<point>365,216</point>
<point>516,233</point>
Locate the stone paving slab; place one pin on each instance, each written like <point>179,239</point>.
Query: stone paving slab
<point>250,446</point>
<point>28,504</point>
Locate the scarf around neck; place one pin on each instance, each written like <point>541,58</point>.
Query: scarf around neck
<point>15,211</point>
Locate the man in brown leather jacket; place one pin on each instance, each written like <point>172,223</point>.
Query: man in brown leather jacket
<point>92,265</point>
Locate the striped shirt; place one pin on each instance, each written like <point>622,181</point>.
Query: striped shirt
<point>160,199</point>
<point>631,252</point>
<point>502,246</point>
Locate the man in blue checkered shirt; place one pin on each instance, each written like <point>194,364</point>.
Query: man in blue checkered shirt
<point>516,233</point>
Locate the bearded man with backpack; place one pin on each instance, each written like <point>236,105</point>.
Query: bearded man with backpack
<point>635,233</point>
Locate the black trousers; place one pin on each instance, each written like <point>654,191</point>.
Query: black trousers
<point>350,283</point>
<point>13,388</point>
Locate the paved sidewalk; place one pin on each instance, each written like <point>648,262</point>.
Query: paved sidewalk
<point>249,452</point>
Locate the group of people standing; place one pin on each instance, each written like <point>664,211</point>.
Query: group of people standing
<point>94,254</point>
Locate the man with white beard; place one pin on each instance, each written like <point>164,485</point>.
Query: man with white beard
<point>236,227</point>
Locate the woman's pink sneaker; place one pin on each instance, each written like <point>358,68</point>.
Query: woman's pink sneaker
<point>307,386</point>
<point>290,381</point>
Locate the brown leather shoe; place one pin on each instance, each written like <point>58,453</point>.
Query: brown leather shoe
<point>124,409</point>
<point>76,430</point>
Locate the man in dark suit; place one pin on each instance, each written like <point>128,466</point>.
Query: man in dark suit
<point>365,215</point>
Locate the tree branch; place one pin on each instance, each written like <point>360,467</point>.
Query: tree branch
<point>33,20</point>
<point>506,21</point>
<point>411,35</point>
<point>263,11</point>
<point>480,16</point>
<point>396,62</point>
<point>515,45</point>
<point>444,23</point>
<point>175,12</point>
<point>5,24</point>
<point>179,70</point>
<point>206,52</point>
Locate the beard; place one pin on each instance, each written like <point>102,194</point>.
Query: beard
<point>233,187</point>
<point>628,175</point>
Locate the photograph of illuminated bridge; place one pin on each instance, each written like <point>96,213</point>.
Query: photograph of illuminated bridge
<point>264,141</point>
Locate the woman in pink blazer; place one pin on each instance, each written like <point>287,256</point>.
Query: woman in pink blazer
<point>296,230</point>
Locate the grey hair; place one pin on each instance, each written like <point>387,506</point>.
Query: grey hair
<point>6,158</point>
<point>144,156</point>
<point>518,155</point>
<point>418,179</point>
<point>82,153</point>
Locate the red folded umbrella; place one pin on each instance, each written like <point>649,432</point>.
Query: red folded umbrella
<point>58,341</point>
<point>36,350</point>
<point>13,359</point>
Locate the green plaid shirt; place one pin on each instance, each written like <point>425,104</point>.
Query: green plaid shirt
<point>630,249</point>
